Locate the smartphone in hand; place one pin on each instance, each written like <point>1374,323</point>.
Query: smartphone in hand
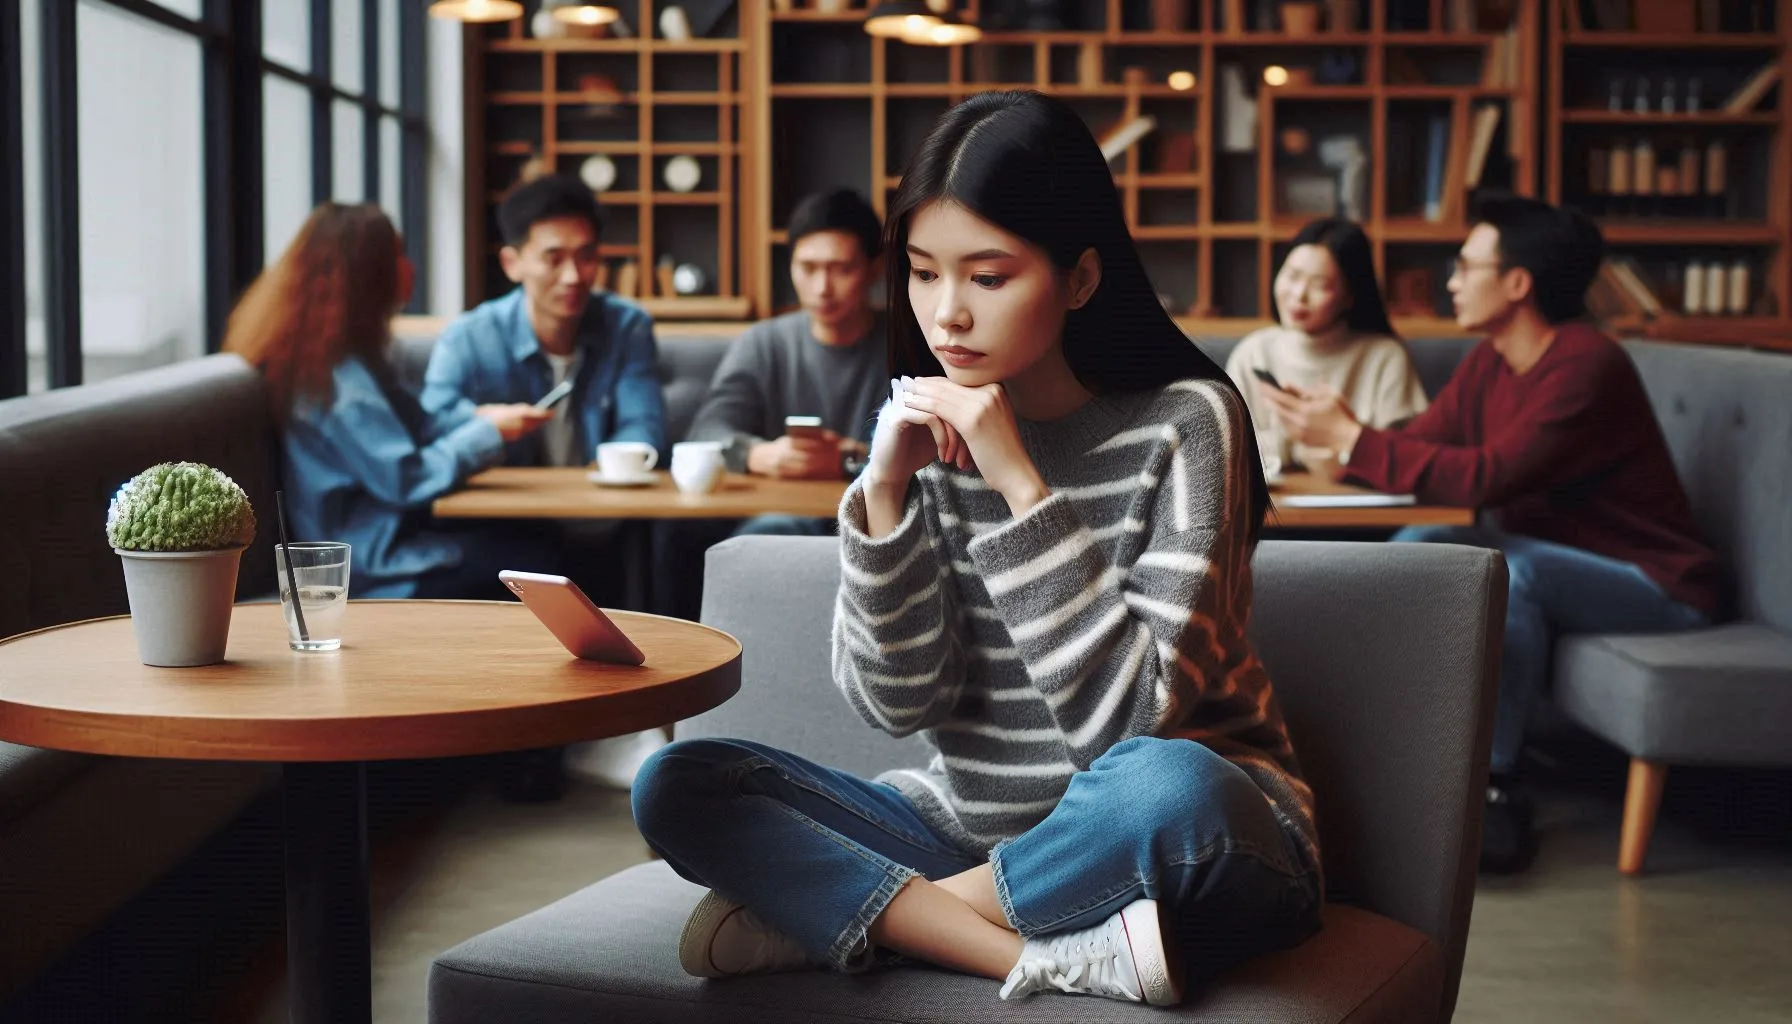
<point>580,626</point>
<point>1268,378</point>
<point>562,391</point>
<point>805,426</point>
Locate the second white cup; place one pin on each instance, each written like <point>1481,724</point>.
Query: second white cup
<point>624,460</point>
<point>697,466</point>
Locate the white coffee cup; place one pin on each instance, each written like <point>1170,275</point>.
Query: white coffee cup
<point>697,466</point>
<point>623,460</point>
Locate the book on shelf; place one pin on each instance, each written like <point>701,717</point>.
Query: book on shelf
<point>1630,278</point>
<point>1437,144</point>
<point>1125,135</point>
<point>1487,121</point>
<point>1753,90</point>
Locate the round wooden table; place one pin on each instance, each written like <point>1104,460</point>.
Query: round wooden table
<point>413,679</point>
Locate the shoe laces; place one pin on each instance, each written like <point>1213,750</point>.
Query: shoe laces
<point>1093,961</point>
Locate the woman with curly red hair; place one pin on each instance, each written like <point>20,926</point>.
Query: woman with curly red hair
<point>363,459</point>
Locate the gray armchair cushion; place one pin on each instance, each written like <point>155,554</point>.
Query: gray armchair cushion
<point>1720,695</point>
<point>610,953</point>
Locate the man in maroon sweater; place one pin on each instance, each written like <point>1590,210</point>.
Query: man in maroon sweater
<point>1546,425</point>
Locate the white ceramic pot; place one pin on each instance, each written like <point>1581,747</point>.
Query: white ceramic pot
<point>180,603</point>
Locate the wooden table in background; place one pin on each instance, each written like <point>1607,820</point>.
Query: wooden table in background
<point>413,679</point>
<point>543,493</point>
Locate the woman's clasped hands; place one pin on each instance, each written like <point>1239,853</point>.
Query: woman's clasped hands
<point>968,427</point>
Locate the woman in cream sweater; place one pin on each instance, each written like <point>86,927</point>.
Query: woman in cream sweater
<point>1333,333</point>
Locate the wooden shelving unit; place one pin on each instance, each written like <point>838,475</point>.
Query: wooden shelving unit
<point>1210,226</point>
<point>532,100</point>
<point>1592,104</point>
<point>779,103</point>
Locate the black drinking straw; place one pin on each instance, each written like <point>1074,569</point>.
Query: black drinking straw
<point>292,581</point>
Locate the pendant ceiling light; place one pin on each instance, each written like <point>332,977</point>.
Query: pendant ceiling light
<point>950,30</point>
<point>587,14</point>
<point>476,10</point>
<point>899,19</point>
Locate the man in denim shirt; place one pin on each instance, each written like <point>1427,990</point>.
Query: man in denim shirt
<point>517,347</point>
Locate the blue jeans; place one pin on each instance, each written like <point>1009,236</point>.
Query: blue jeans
<point>819,853</point>
<point>1555,589</point>
<point>782,525</point>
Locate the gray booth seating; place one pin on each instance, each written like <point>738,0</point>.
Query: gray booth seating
<point>81,835</point>
<point>1386,661</point>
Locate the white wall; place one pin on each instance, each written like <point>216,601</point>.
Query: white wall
<point>447,171</point>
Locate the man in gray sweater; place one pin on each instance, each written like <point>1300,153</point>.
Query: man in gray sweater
<point>827,361</point>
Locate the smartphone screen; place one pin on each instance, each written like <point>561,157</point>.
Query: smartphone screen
<point>804,426</point>
<point>1268,378</point>
<point>580,626</point>
<point>562,391</point>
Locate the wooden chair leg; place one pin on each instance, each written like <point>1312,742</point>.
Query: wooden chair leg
<point>1642,798</point>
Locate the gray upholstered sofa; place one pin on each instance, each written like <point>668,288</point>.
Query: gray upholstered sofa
<point>80,835</point>
<point>1386,662</point>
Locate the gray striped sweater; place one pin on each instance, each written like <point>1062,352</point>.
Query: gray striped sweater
<point>1024,648</point>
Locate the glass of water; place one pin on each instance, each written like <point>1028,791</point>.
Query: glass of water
<point>320,572</point>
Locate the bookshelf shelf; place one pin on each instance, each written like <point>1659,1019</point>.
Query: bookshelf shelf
<point>1716,198</point>
<point>536,105</point>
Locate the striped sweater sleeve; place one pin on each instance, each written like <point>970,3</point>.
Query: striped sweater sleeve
<point>1122,652</point>
<point>897,654</point>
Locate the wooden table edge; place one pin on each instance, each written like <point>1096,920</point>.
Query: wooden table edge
<point>321,740</point>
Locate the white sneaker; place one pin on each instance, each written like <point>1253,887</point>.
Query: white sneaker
<point>1125,957</point>
<point>723,939</point>
<point>613,762</point>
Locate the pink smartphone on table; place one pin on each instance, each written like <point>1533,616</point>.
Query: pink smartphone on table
<point>580,626</point>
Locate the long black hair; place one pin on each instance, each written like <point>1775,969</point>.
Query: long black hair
<point>1026,163</point>
<point>1349,247</point>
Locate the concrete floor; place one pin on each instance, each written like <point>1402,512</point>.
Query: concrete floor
<point>1706,936</point>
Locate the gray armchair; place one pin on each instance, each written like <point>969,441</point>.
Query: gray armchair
<point>1386,659</point>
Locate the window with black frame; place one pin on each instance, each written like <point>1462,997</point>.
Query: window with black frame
<point>157,154</point>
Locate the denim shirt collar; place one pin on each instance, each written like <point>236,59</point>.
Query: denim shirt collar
<point>523,342</point>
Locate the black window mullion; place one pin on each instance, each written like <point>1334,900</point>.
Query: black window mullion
<point>232,159</point>
<point>413,148</point>
<point>323,155</point>
<point>13,377</point>
<point>370,99</point>
<point>62,195</point>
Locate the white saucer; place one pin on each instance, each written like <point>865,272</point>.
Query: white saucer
<point>643,480</point>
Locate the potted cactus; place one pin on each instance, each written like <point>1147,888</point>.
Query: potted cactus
<point>180,529</point>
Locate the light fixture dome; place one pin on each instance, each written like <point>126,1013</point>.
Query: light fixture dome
<point>478,11</point>
<point>951,30</point>
<point>898,19</point>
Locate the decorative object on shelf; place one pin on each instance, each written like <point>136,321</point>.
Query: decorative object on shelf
<point>1181,81</point>
<point>675,25</point>
<point>894,19</point>
<point>1341,15</point>
<point>1240,115</point>
<point>682,173</point>
<point>534,167</point>
<point>598,172</point>
<point>1089,62</point>
<point>476,11</point>
<point>704,15</point>
<point>1275,76</point>
<point>628,279</point>
<point>584,15</point>
<point>663,270</point>
<point>1409,292</point>
<point>1295,141</point>
<point>602,97</point>
<point>1176,153</point>
<point>1169,15</point>
<point>783,6</point>
<point>180,529</point>
<point>1125,135</point>
<point>1344,155</point>
<point>1338,67</point>
<point>1300,17</point>
<point>831,6</point>
<point>1309,193</point>
<point>688,279</point>
<point>545,26</point>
